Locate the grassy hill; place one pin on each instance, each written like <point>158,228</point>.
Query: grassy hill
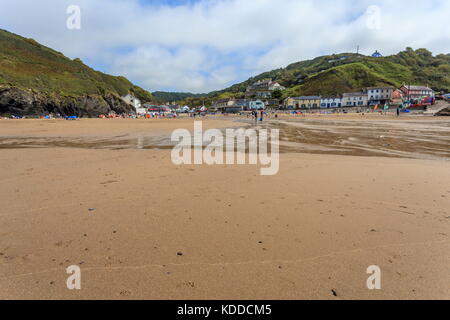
<point>28,65</point>
<point>164,96</point>
<point>336,74</point>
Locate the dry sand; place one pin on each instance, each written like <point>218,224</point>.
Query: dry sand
<point>310,230</point>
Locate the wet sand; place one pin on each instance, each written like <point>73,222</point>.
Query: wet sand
<point>386,138</point>
<point>141,228</point>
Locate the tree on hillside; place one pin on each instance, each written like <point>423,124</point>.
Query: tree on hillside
<point>277,94</point>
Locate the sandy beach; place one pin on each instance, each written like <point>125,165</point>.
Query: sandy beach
<point>352,191</point>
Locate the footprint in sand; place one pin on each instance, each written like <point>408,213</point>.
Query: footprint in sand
<point>125,293</point>
<point>188,284</point>
<point>109,182</point>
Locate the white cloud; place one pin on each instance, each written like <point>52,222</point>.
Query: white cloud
<point>157,67</point>
<point>211,44</point>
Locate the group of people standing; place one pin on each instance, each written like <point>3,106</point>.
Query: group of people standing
<point>255,115</point>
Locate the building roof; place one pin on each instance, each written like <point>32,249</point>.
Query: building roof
<point>380,87</point>
<point>376,54</point>
<point>330,97</point>
<point>222,100</point>
<point>354,94</point>
<point>241,101</point>
<point>421,88</point>
<point>307,98</point>
<point>263,85</point>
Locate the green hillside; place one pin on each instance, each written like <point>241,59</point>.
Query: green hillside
<point>336,74</point>
<point>26,64</point>
<point>413,67</point>
<point>164,96</point>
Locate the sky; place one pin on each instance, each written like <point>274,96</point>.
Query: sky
<point>204,45</point>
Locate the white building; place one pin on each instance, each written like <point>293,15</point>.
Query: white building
<point>330,102</point>
<point>136,103</point>
<point>379,95</point>
<point>354,99</point>
<point>263,89</point>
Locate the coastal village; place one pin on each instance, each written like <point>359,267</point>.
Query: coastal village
<point>266,94</point>
<point>382,96</point>
<point>261,96</point>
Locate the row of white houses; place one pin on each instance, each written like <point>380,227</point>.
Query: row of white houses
<point>366,97</point>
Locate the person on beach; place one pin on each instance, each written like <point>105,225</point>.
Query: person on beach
<point>398,112</point>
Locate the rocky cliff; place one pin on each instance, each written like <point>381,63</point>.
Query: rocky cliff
<point>37,80</point>
<point>16,101</point>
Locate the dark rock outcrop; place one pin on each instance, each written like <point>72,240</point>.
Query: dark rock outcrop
<point>21,102</point>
